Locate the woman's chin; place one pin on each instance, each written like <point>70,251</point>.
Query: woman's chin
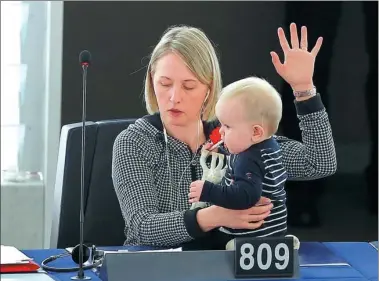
<point>175,120</point>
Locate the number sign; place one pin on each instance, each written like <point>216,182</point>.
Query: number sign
<point>264,257</point>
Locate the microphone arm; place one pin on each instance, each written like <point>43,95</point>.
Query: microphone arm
<point>81,253</point>
<point>84,116</point>
<point>84,59</point>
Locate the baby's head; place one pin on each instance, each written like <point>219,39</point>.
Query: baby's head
<point>249,111</point>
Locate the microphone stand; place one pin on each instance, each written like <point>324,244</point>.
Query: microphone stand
<point>81,275</point>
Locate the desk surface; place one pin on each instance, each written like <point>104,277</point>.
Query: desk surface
<point>26,276</point>
<point>362,257</point>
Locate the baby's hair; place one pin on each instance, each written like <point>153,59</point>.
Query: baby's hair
<point>261,101</point>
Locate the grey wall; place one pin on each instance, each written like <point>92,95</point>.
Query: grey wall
<point>32,93</point>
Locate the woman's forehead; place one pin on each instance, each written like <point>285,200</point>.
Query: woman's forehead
<point>172,66</point>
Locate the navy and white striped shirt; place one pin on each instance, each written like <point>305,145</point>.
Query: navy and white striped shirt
<point>255,172</point>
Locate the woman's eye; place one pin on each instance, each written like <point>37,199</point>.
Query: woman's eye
<point>165,85</point>
<point>189,88</point>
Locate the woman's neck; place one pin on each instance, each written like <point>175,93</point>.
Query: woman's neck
<point>192,134</point>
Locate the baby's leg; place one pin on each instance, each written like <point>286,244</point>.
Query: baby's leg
<point>230,245</point>
<point>296,241</point>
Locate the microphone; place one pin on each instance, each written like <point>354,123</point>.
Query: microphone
<point>81,253</point>
<point>84,60</point>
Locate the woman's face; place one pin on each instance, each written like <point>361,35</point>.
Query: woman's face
<point>180,95</point>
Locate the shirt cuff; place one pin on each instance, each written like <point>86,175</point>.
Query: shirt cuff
<point>204,197</point>
<point>308,106</point>
<point>191,224</point>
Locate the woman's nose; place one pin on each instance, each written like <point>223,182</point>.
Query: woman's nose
<point>175,95</point>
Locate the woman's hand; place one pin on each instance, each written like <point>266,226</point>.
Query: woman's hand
<point>298,67</point>
<point>252,218</point>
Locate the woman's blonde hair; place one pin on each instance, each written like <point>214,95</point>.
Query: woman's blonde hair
<point>198,53</point>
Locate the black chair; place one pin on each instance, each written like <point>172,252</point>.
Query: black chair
<point>103,223</point>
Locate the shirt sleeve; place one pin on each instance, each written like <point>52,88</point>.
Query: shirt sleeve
<point>245,189</point>
<point>315,156</point>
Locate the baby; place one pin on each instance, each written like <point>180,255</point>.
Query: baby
<point>249,111</point>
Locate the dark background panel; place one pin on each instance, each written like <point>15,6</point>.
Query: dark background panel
<point>121,35</point>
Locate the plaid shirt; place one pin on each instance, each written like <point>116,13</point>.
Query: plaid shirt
<point>158,214</point>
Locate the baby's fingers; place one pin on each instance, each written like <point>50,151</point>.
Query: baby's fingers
<point>207,145</point>
<point>193,200</point>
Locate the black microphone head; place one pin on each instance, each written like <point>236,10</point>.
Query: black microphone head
<point>85,57</point>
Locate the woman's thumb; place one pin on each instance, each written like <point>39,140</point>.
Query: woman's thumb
<point>264,201</point>
<point>276,61</point>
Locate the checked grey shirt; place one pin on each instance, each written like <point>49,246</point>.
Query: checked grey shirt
<point>158,214</point>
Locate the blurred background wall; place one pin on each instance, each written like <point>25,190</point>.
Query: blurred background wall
<point>121,35</point>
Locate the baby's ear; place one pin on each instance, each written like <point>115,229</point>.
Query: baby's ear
<point>257,133</point>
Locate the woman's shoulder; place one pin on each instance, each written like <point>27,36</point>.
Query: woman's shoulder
<point>143,133</point>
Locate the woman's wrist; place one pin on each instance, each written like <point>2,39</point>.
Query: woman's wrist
<point>304,92</point>
<point>302,87</point>
<point>207,218</point>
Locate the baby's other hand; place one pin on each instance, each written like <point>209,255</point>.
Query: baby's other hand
<point>195,191</point>
<point>208,146</point>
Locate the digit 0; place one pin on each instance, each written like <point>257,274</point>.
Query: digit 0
<point>264,246</point>
<point>247,251</point>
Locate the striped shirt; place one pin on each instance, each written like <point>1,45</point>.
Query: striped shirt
<point>255,172</point>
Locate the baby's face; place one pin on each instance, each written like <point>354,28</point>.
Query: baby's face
<point>236,131</point>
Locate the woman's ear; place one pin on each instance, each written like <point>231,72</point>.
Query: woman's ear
<point>206,96</point>
<point>257,133</point>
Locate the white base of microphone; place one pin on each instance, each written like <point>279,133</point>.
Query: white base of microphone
<point>78,278</point>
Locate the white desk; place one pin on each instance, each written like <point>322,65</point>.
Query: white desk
<point>26,276</point>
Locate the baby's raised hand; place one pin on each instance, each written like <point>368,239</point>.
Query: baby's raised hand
<point>196,188</point>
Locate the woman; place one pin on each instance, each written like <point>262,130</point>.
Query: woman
<point>156,158</point>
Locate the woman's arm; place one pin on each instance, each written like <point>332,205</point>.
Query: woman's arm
<point>215,216</point>
<point>315,156</point>
<point>135,189</point>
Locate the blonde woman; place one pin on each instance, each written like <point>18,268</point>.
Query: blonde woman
<point>156,159</point>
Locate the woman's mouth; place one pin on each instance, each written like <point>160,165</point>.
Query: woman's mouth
<point>175,112</point>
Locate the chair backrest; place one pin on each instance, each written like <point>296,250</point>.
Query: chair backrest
<point>103,223</point>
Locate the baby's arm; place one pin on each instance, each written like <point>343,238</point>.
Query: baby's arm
<point>243,192</point>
